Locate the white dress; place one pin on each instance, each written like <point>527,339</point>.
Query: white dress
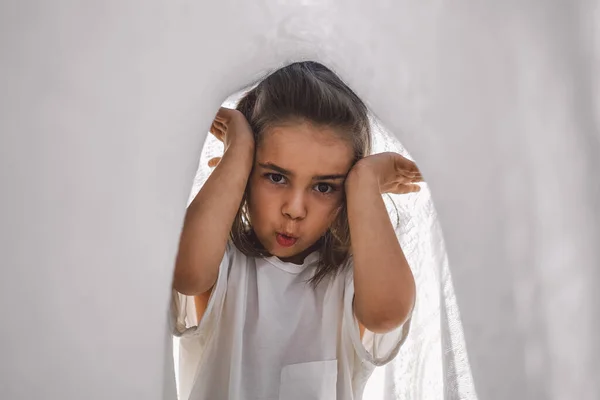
<point>267,334</point>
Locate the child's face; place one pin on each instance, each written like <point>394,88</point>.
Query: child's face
<point>297,186</point>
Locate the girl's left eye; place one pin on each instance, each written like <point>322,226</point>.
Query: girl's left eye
<point>324,188</point>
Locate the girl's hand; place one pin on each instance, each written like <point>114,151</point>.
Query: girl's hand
<point>393,173</point>
<point>230,127</point>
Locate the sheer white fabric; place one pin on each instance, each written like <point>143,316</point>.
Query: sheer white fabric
<point>433,362</point>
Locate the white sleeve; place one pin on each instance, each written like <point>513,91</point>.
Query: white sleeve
<point>184,320</point>
<point>375,348</point>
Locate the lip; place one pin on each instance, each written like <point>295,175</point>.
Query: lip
<point>288,234</point>
<point>285,240</point>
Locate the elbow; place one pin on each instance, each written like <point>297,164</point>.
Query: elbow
<point>181,285</point>
<point>185,289</point>
<point>385,319</point>
<point>191,284</point>
<point>384,323</point>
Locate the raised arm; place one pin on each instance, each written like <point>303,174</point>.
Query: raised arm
<point>209,217</point>
<point>384,287</point>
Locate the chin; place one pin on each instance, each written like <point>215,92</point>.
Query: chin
<point>284,252</point>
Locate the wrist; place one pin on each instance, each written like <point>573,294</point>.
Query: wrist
<point>240,146</point>
<point>240,153</point>
<point>363,176</point>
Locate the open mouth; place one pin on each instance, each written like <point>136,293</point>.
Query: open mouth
<point>285,240</point>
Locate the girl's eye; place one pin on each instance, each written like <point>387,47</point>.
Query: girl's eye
<point>276,178</point>
<point>324,188</point>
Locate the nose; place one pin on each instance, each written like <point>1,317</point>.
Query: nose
<point>294,205</point>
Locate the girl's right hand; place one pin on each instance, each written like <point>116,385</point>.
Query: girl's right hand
<point>232,128</point>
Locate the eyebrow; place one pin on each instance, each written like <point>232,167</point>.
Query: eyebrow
<point>284,171</point>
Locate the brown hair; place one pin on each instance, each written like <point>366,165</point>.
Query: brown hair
<point>305,91</point>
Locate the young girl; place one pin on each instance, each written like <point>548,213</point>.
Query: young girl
<point>290,282</point>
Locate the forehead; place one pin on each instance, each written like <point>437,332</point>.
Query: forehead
<point>306,149</point>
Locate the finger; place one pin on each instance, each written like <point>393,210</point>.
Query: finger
<point>220,124</point>
<point>411,168</point>
<point>217,132</point>
<point>403,162</point>
<point>414,170</point>
<point>213,162</point>
<point>407,166</point>
<point>223,114</point>
<point>412,188</point>
<point>406,188</point>
<point>408,177</point>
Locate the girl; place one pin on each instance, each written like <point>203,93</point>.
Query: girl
<point>289,280</point>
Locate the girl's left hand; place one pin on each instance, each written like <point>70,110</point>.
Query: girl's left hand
<point>394,173</point>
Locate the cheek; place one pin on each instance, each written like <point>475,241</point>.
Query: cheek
<point>336,213</point>
<point>329,212</point>
<point>259,201</point>
<point>336,210</point>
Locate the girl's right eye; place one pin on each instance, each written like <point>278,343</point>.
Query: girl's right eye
<point>275,178</point>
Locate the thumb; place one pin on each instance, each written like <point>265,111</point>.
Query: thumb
<point>406,188</point>
<point>213,162</point>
